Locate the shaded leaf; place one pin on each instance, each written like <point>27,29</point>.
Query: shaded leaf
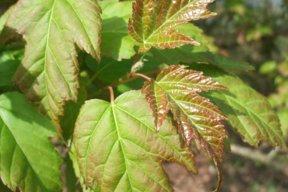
<point>118,148</point>
<point>249,112</point>
<point>200,54</point>
<point>109,69</point>
<point>10,59</point>
<point>152,21</point>
<point>23,142</point>
<point>116,42</point>
<point>48,75</point>
<point>175,89</point>
<point>72,109</point>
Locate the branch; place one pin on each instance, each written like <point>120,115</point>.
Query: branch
<point>256,155</point>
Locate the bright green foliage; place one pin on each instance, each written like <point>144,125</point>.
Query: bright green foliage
<point>176,89</point>
<point>119,145</point>
<point>118,148</point>
<point>152,21</point>
<point>27,158</point>
<point>49,70</point>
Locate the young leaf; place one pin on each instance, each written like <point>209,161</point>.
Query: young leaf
<point>152,21</point>
<point>118,148</point>
<point>175,89</point>
<point>249,113</point>
<point>27,158</point>
<point>49,70</point>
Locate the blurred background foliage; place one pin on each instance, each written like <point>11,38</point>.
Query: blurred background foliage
<point>255,32</point>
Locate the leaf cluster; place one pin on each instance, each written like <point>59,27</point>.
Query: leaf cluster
<point>65,61</point>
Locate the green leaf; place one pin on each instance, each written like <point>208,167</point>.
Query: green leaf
<point>27,158</point>
<point>76,173</point>
<point>109,69</point>
<point>249,113</point>
<point>175,89</point>
<point>72,109</point>
<point>116,42</point>
<point>10,59</point>
<point>190,54</point>
<point>48,75</point>
<point>152,21</point>
<point>118,148</point>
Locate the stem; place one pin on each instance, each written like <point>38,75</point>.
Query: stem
<point>136,59</point>
<point>111,94</point>
<point>141,75</point>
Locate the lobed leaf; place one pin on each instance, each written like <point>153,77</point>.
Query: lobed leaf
<point>152,21</point>
<point>249,112</point>
<point>48,75</point>
<point>175,89</point>
<point>117,146</point>
<point>23,142</point>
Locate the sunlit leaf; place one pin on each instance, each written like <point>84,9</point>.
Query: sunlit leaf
<point>175,89</point>
<point>48,75</point>
<point>118,148</point>
<point>153,21</point>
<point>27,158</point>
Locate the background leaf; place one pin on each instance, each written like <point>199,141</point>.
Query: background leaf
<point>48,75</point>
<point>249,113</point>
<point>118,148</point>
<point>23,142</point>
<point>116,42</point>
<point>190,54</point>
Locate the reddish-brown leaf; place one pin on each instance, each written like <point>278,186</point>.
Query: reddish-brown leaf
<point>152,21</point>
<point>176,89</point>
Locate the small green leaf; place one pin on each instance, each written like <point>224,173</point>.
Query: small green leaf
<point>152,21</point>
<point>116,42</point>
<point>118,148</point>
<point>249,113</point>
<point>175,89</point>
<point>48,75</point>
<point>27,158</point>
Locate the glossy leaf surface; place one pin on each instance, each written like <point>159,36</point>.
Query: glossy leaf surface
<point>24,141</point>
<point>175,89</point>
<point>249,113</point>
<point>49,70</point>
<point>118,148</point>
<point>153,21</point>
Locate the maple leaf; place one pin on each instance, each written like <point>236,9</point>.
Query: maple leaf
<point>175,89</point>
<point>117,145</point>
<point>152,21</point>
<point>48,75</point>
